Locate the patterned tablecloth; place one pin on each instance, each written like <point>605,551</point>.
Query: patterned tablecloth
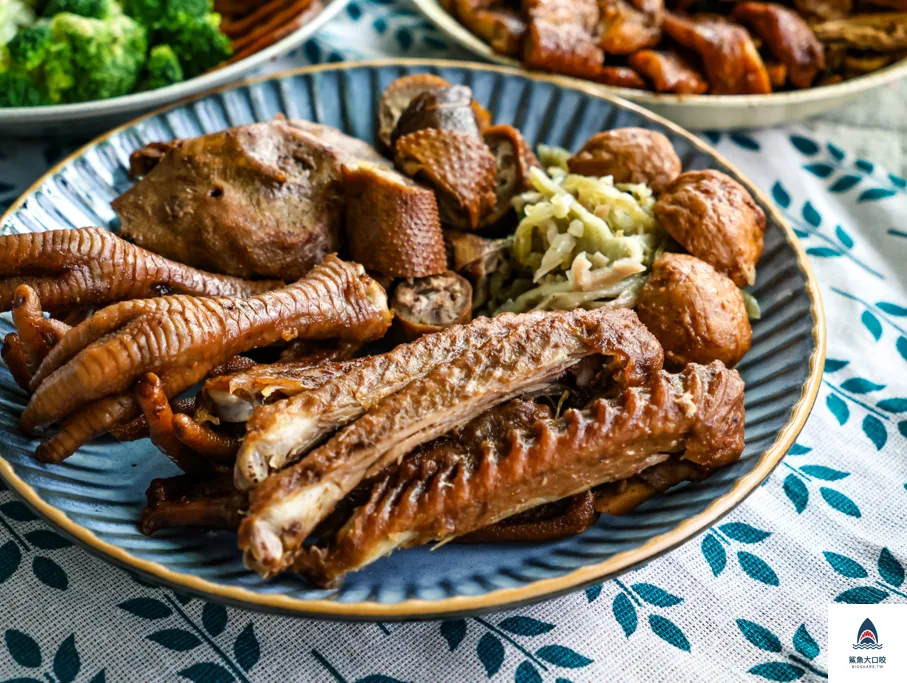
<point>747,600</point>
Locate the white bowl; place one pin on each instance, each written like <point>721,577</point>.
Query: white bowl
<point>699,112</point>
<point>82,118</point>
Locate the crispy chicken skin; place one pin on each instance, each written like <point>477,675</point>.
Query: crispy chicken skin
<point>787,36</point>
<point>625,26</point>
<point>392,224</point>
<point>500,26</point>
<point>731,61</point>
<point>259,200</point>
<point>629,155</point>
<point>519,455</point>
<point>288,505</point>
<point>90,267</point>
<point>431,304</point>
<point>696,313</point>
<point>459,167</point>
<point>181,339</point>
<point>669,71</point>
<point>715,219</point>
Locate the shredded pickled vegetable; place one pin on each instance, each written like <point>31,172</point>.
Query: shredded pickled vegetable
<point>581,242</point>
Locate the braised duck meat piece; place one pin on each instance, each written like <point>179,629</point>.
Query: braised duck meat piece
<point>513,158</point>
<point>181,339</point>
<point>142,160</point>
<point>88,267</point>
<point>669,71</point>
<point>447,108</point>
<point>188,501</point>
<point>399,94</point>
<point>288,505</point>
<point>459,167</point>
<point>520,455</point>
<point>431,304</point>
<point>625,26</point>
<point>731,61</point>
<point>786,36</point>
<point>259,200</point>
<point>873,32</point>
<point>233,398</point>
<point>392,224</point>
<point>697,313</point>
<point>560,37</point>
<point>629,155</point>
<point>500,26</point>
<point>478,259</point>
<point>715,219</point>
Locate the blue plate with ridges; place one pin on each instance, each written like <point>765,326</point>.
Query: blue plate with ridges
<point>97,495</point>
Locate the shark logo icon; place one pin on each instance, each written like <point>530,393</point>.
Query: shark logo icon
<point>867,637</point>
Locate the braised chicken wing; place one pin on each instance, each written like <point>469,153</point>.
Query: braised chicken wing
<point>560,37</point>
<point>715,219</point>
<point>731,61</point>
<point>629,155</point>
<point>787,36</point>
<point>696,313</point>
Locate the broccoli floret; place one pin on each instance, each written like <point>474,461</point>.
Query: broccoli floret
<point>163,68</point>
<point>28,46</point>
<point>93,9</point>
<point>197,42</point>
<point>18,89</point>
<point>155,12</point>
<point>91,59</point>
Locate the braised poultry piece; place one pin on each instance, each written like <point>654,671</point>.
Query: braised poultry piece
<point>515,398</point>
<point>693,46</point>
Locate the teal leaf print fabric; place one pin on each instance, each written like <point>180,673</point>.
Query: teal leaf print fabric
<point>743,601</point>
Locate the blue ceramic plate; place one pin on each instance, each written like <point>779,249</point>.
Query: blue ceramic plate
<point>96,496</point>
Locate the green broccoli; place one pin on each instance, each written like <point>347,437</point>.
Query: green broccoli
<point>18,89</point>
<point>197,42</point>
<point>29,45</point>
<point>163,68</point>
<point>93,9</point>
<point>154,12</point>
<point>91,59</point>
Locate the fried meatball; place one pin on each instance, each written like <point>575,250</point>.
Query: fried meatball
<point>630,155</point>
<point>714,218</point>
<point>696,313</point>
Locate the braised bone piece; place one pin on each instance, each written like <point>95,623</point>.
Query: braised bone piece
<point>731,61</point>
<point>525,456</point>
<point>288,505</point>
<point>182,338</point>
<point>629,155</point>
<point>787,37</point>
<point>669,71</point>
<point>392,224</point>
<point>431,304</point>
<point>259,200</point>
<point>625,26</point>
<point>91,267</point>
